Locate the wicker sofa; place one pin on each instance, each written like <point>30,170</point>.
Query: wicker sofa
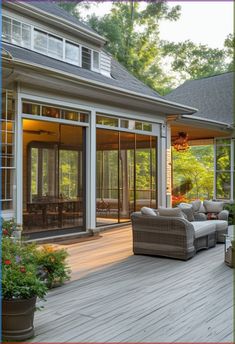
<point>203,209</point>
<point>171,236</point>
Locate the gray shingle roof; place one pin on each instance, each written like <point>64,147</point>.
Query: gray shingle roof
<point>120,76</point>
<point>213,96</point>
<point>52,8</point>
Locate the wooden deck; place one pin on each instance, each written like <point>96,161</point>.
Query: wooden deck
<point>118,297</point>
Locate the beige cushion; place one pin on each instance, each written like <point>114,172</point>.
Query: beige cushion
<point>220,225</point>
<point>147,211</point>
<point>187,210</point>
<point>185,205</point>
<point>202,228</point>
<point>196,205</point>
<point>213,207</point>
<point>171,212</point>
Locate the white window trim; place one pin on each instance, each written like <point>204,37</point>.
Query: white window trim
<point>40,117</point>
<point>119,128</point>
<point>64,40</point>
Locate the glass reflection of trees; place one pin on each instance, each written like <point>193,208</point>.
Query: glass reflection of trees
<point>223,168</point>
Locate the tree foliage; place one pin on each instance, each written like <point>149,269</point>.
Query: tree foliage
<point>194,61</point>
<point>133,38</point>
<point>229,45</point>
<point>195,165</point>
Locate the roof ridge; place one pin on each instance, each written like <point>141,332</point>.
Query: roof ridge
<point>210,76</point>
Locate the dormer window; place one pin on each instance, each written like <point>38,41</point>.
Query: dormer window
<point>96,60</point>
<point>48,44</point>
<point>86,58</point>
<point>16,32</point>
<point>28,36</point>
<point>72,53</point>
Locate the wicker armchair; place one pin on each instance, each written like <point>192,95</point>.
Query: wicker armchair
<point>169,236</point>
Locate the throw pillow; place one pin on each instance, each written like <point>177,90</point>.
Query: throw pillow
<point>196,205</point>
<point>212,216</point>
<point>148,211</point>
<point>202,209</point>
<point>187,209</point>
<point>213,206</point>
<point>171,212</point>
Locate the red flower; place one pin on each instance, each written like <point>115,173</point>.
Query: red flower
<point>7,262</point>
<point>22,269</point>
<point>4,232</point>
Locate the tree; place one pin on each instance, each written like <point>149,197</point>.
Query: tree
<point>74,7</point>
<point>193,61</point>
<point>132,32</point>
<point>133,39</point>
<point>195,165</point>
<point>229,45</point>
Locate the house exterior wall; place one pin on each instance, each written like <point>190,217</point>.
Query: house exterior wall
<point>51,86</point>
<point>27,92</point>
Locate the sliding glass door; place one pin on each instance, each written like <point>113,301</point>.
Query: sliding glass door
<point>125,175</point>
<point>53,176</point>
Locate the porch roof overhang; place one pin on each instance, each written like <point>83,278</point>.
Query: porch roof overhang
<point>198,128</point>
<point>47,76</point>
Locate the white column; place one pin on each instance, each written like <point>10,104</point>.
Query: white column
<point>91,174</point>
<point>19,160</point>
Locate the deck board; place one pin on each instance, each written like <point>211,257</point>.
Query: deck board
<point>115,296</point>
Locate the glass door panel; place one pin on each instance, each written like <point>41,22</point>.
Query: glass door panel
<point>126,175</point>
<point>107,183</point>
<point>145,172</point>
<point>68,167</point>
<point>53,176</point>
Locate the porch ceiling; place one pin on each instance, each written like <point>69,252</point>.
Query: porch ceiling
<point>196,132</point>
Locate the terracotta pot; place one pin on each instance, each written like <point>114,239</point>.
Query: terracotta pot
<point>17,319</point>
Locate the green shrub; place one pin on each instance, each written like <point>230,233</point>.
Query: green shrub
<point>52,265</point>
<point>19,272</point>
<point>231,209</point>
<point>8,227</point>
<point>48,263</point>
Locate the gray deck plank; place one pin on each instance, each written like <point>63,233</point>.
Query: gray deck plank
<point>117,297</point>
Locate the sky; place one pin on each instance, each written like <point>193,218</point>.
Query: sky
<point>205,22</point>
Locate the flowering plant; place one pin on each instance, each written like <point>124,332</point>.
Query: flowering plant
<point>52,265</point>
<point>178,199</point>
<point>20,272</point>
<point>8,227</point>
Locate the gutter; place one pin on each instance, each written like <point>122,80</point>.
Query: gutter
<point>114,89</point>
<point>200,119</point>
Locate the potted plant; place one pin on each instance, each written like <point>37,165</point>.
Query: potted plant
<point>20,288</point>
<point>52,265</point>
